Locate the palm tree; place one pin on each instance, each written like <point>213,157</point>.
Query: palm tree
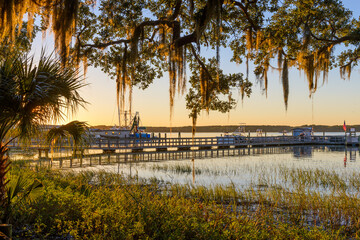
<point>31,96</point>
<point>78,131</point>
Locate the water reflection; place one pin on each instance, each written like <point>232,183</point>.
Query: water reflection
<point>239,166</point>
<point>302,151</point>
<point>352,155</point>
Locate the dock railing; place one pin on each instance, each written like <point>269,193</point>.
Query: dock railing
<point>143,143</point>
<point>131,143</point>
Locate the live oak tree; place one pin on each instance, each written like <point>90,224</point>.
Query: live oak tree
<point>164,34</point>
<point>136,41</point>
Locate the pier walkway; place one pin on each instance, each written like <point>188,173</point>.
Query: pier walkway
<point>171,144</point>
<point>165,144</point>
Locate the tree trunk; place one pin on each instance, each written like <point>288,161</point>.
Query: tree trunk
<point>4,168</point>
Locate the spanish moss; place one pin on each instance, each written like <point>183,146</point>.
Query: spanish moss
<point>345,71</point>
<point>63,14</point>
<point>285,82</point>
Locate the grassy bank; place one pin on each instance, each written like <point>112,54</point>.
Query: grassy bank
<point>100,205</point>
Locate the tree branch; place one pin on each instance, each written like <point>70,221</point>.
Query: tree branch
<point>49,5</point>
<point>246,13</point>
<point>176,10</point>
<point>200,62</point>
<point>353,36</point>
<point>200,26</point>
<point>103,45</point>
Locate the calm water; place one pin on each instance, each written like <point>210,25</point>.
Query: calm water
<point>242,167</point>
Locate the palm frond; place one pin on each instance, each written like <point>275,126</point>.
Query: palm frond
<point>34,95</point>
<point>78,131</point>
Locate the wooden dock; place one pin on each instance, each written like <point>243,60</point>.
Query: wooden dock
<point>166,144</point>
<point>199,143</point>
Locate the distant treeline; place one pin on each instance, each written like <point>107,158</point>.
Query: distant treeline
<point>251,128</point>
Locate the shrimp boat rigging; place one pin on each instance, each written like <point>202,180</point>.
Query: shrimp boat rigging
<point>130,128</point>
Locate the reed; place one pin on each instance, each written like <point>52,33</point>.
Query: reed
<point>295,204</point>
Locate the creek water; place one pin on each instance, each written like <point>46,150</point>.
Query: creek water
<point>242,167</point>
<point>239,167</point>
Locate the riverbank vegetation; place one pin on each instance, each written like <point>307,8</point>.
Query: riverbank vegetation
<point>100,205</point>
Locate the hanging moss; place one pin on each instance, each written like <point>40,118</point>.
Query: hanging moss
<point>85,64</point>
<point>266,68</point>
<point>280,59</point>
<point>345,71</point>
<point>249,39</point>
<point>285,82</point>
<point>259,38</point>
<point>217,37</point>
<point>63,14</point>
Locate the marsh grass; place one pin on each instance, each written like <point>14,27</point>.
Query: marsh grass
<point>290,204</point>
<point>275,176</point>
<point>187,169</point>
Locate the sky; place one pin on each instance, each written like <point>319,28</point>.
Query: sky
<point>334,101</point>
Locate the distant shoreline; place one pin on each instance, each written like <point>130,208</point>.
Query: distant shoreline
<point>251,128</point>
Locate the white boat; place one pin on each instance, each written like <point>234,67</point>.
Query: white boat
<point>230,138</point>
<point>132,129</point>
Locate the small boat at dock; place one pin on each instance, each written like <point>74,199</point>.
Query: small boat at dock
<point>238,135</point>
<point>131,130</point>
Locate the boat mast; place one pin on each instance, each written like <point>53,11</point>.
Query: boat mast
<point>119,115</point>
<point>125,118</point>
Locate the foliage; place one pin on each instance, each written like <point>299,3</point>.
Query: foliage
<point>294,33</point>
<point>31,96</point>
<point>99,205</point>
<point>214,90</point>
<point>22,42</point>
<point>59,15</point>
<point>136,41</point>
<point>78,131</point>
<point>20,190</point>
